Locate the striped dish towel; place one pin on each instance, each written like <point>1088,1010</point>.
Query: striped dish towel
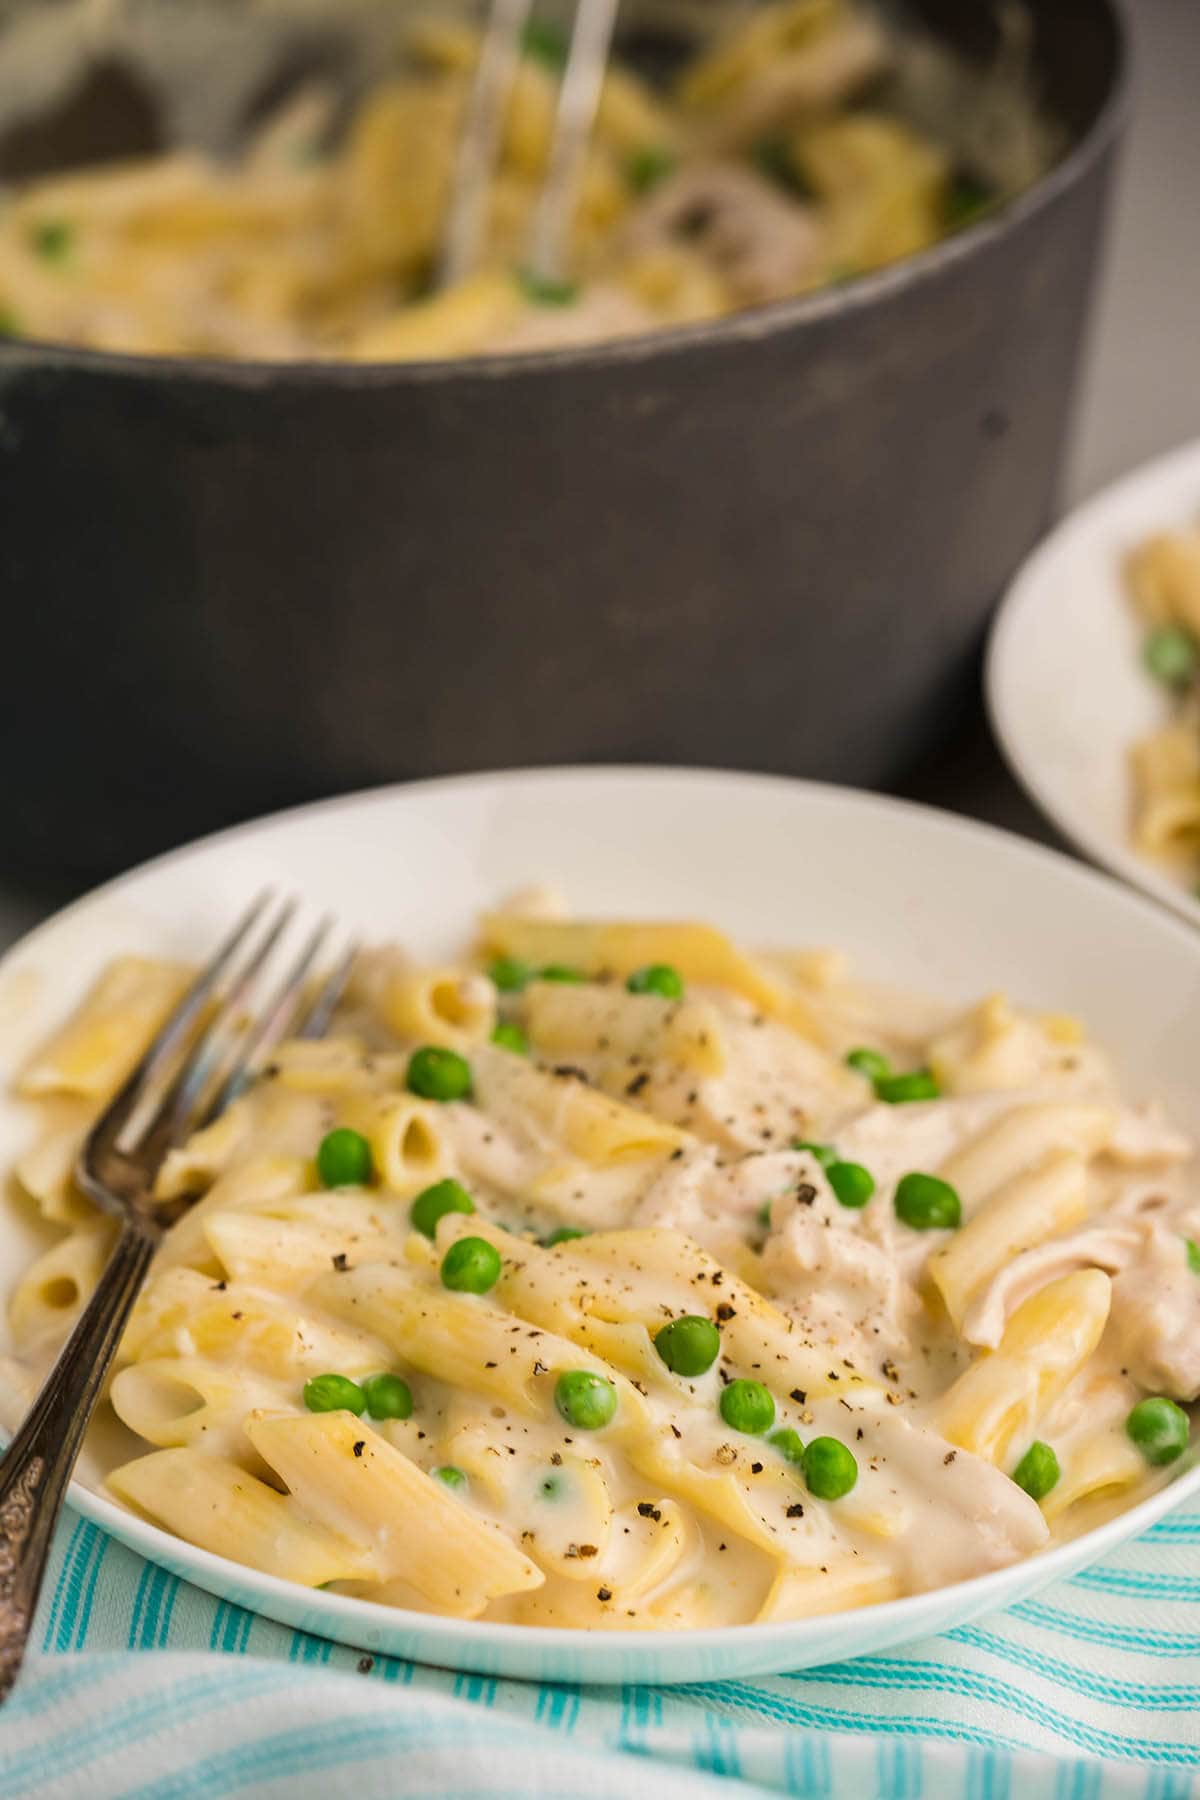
<point>140,1685</point>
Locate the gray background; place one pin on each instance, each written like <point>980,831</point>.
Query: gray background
<point>1141,392</point>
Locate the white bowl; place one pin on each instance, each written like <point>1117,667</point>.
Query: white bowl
<point>915,895</point>
<point>1066,689</point>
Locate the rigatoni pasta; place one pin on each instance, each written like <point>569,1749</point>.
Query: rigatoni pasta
<point>617,1277</point>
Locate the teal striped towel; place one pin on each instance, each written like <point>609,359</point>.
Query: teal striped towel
<point>1088,1692</point>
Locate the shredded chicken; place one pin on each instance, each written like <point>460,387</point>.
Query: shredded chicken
<point>718,1203</point>
<point>763,245</point>
<point>1156,1316</point>
<point>828,1274</point>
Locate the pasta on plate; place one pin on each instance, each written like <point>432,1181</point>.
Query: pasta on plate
<point>616,1277</point>
<point>775,162</point>
<point>1163,578</point>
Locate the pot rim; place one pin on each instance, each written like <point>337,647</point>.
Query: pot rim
<point>747,326</point>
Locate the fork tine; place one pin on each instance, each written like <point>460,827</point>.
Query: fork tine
<point>216,1043</point>
<point>334,986</point>
<point>175,1031</point>
<point>272,1027</point>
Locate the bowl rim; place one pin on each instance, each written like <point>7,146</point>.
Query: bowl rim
<point>893,1616</point>
<point>749,326</point>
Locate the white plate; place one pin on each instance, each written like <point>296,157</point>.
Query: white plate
<point>923,898</point>
<point>1065,684</point>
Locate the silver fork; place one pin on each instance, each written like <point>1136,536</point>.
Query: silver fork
<point>196,1065</point>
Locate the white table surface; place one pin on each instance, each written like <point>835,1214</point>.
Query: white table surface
<point>1141,392</point>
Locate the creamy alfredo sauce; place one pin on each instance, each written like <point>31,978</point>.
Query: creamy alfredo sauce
<point>633,1158</point>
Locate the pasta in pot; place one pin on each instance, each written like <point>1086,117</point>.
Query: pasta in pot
<point>776,162</point>
<point>619,1278</point>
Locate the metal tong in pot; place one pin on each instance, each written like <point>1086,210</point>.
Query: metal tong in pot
<point>579,96</point>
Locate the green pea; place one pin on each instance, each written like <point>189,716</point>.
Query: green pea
<point>689,1346</point>
<point>545,290</point>
<point>344,1159</point>
<point>788,1444</point>
<point>899,1090</point>
<point>453,1478</point>
<point>435,1073</point>
<point>1193,1255</point>
<point>822,1153</point>
<point>968,198</point>
<point>334,1393</point>
<point>10,322</point>
<point>648,165</point>
<point>433,1203</point>
<point>509,1036</point>
<point>562,1234</point>
<point>510,974</point>
<point>1159,1428</point>
<point>560,972</point>
<point>545,43</point>
<point>851,1183</point>
<point>585,1400</point>
<point>657,978</point>
<point>764,1215</point>
<point>387,1397</point>
<point>1171,654</point>
<point>747,1406</point>
<point>471,1266</point>
<point>871,1063</point>
<point>1038,1470</point>
<point>53,240</point>
<point>829,1468</point>
<point>773,158</point>
<point>927,1203</point>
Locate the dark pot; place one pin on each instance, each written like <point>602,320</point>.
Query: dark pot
<point>770,543</point>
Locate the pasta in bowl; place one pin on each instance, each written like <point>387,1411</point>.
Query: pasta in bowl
<point>1113,759</point>
<point>1162,575</point>
<point>613,1276</point>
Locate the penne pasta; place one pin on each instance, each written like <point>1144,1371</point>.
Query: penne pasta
<point>1163,579</point>
<point>98,1046</point>
<point>216,1504</point>
<point>567,1111</point>
<point>1019,1140</point>
<point>1004,1393</point>
<point>357,1486</point>
<point>439,1006</point>
<point>701,954</point>
<point>1022,1212</point>
<point>564,1020</point>
<point>54,1291</point>
<point>664,1308</point>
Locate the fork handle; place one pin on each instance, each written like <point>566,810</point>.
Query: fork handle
<point>37,1465</point>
